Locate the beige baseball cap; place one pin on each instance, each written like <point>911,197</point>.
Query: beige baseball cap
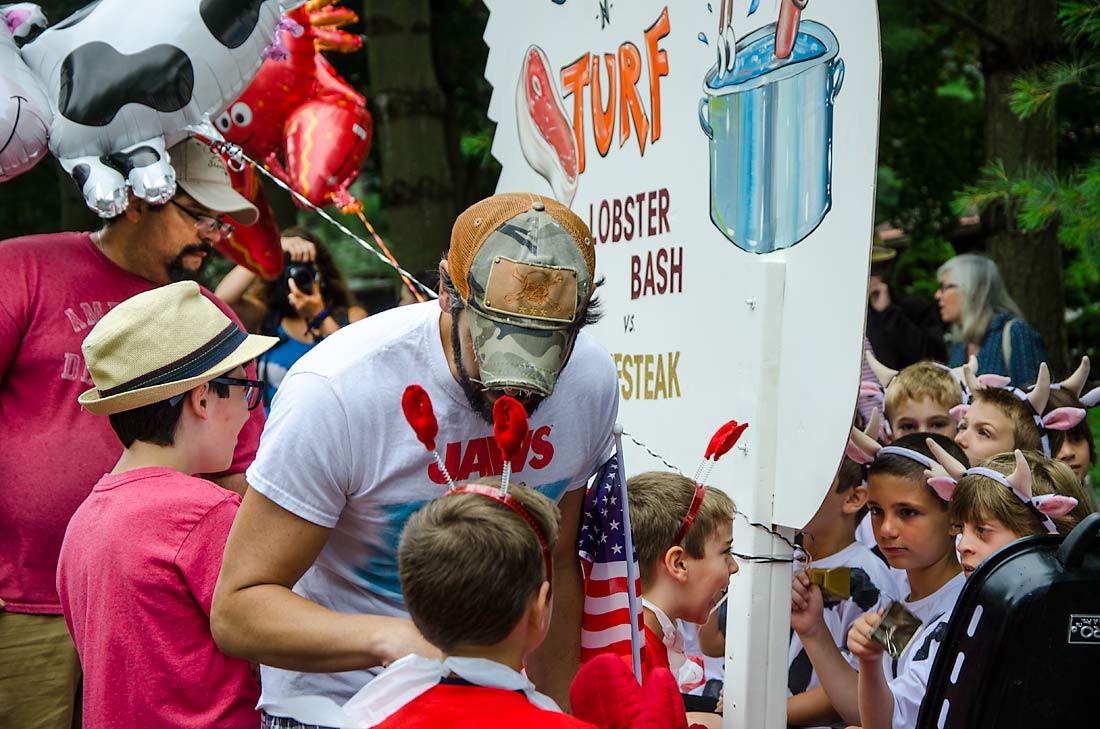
<point>202,175</point>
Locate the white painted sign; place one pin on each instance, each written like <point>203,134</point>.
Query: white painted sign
<point>724,155</point>
<point>693,179</point>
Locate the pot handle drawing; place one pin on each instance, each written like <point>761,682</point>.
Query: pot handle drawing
<point>836,79</point>
<point>704,119</point>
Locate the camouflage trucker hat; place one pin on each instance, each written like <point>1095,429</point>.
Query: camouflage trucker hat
<point>523,265</point>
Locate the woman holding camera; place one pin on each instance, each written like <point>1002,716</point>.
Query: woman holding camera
<point>305,304</point>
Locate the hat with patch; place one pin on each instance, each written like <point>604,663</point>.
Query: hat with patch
<point>202,175</point>
<point>523,265</point>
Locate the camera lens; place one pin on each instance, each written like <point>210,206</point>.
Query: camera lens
<point>303,275</point>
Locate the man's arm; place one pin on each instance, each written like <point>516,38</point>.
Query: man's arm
<point>233,482</point>
<point>256,616</point>
<point>554,664</point>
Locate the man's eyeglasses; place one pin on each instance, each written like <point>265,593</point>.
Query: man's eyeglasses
<point>206,224</point>
<point>253,390</point>
<point>946,286</point>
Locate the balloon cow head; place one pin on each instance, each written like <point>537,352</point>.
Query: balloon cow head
<point>124,84</point>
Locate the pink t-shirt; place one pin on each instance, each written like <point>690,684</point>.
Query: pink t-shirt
<point>55,288</point>
<point>136,577</point>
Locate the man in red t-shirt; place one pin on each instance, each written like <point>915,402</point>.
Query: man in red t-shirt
<point>56,287</point>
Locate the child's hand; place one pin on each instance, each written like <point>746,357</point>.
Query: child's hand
<point>859,637</point>
<point>807,606</point>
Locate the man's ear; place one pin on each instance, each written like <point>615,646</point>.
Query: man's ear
<point>673,563</point>
<point>444,294</point>
<point>854,500</point>
<point>135,208</point>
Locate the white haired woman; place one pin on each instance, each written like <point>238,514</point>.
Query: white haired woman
<point>985,321</point>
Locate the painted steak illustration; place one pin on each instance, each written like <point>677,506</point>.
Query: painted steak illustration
<point>545,133</point>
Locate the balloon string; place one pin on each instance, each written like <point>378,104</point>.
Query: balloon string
<point>366,223</point>
<point>236,153</point>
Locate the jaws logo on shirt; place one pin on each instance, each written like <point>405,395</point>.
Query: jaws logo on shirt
<point>480,457</point>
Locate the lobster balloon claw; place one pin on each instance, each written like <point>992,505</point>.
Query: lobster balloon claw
<point>884,374</point>
<point>1041,393</point>
<point>951,465</point>
<point>1076,382</point>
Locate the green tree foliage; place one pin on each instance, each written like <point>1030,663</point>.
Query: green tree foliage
<point>1065,90</point>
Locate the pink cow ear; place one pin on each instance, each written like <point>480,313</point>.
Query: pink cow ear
<point>944,486</point>
<point>958,412</point>
<point>1055,504</point>
<point>870,389</point>
<point>857,454</point>
<point>1063,418</point>
<point>991,380</point>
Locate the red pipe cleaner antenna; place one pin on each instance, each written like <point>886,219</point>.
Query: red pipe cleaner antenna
<point>509,429</point>
<point>417,407</point>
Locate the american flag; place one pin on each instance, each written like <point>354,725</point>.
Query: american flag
<point>603,546</point>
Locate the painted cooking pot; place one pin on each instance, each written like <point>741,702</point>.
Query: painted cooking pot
<point>770,124</point>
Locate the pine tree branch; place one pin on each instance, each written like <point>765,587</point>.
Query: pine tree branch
<point>970,24</point>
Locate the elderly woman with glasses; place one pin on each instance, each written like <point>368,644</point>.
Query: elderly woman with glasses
<point>985,321</point>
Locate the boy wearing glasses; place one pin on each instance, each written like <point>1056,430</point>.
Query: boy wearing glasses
<point>142,553</point>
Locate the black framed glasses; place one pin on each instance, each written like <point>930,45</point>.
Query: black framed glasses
<point>206,224</point>
<point>253,390</point>
<point>946,286</point>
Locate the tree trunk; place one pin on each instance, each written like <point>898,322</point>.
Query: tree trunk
<point>409,131</point>
<point>1021,34</point>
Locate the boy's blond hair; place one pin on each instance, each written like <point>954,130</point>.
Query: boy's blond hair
<point>978,499</point>
<point>659,501</point>
<point>923,380</point>
<point>469,565</point>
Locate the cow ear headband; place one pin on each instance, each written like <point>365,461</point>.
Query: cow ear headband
<point>945,475</point>
<point>1058,419</point>
<point>509,429</point>
<point>720,443</point>
<point>886,375</point>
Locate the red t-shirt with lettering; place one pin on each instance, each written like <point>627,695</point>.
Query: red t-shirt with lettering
<point>55,288</point>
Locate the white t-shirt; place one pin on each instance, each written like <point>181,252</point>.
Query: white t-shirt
<point>908,673</point>
<point>872,586</point>
<point>338,452</point>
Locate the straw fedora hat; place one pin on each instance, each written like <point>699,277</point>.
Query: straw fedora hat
<point>159,344</point>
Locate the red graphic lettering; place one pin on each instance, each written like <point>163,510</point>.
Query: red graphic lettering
<point>544,449</point>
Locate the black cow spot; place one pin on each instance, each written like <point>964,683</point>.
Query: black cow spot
<point>864,592</point>
<point>97,81</point>
<point>230,21</point>
<point>125,161</point>
<point>76,17</point>
<point>81,173</point>
<point>799,673</point>
<point>935,636</point>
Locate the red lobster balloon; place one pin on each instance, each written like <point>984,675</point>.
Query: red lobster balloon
<point>302,122</point>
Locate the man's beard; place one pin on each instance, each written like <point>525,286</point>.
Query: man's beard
<point>479,402</point>
<point>178,272</point>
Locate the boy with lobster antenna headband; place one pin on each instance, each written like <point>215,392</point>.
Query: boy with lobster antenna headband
<point>1001,418</point>
<point>1007,497</point>
<point>912,529</point>
<point>476,573</point>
